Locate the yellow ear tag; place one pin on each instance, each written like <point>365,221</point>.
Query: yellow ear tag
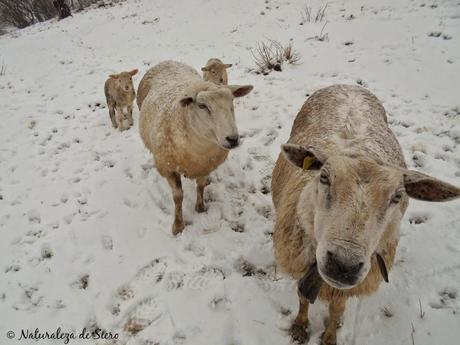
<point>307,162</point>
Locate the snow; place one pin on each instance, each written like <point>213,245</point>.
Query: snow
<point>86,220</point>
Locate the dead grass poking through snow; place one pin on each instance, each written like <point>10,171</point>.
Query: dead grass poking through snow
<point>3,69</point>
<point>270,56</point>
<point>308,15</point>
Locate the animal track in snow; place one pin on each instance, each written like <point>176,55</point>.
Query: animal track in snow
<point>142,315</point>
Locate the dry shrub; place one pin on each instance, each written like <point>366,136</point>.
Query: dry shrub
<point>270,56</point>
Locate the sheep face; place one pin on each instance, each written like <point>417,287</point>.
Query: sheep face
<point>211,114</point>
<point>125,81</point>
<point>215,71</point>
<point>356,203</point>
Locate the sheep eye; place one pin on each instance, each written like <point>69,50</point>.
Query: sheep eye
<point>203,106</point>
<point>397,197</point>
<point>324,178</point>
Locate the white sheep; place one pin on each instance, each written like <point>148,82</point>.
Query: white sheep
<point>340,190</point>
<point>189,126</point>
<point>120,94</point>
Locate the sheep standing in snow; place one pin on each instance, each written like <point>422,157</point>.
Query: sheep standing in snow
<point>189,126</point>
<point>340,188</point>
<point>120,94</point>
<point>215,71</point>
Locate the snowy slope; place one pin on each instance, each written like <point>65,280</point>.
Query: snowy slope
<point>85,218</point>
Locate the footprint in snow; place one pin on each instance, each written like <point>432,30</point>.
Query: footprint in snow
<point>142,315</point>
<point>447,299</point>
<point>145,279</point>
<point>204,277</point>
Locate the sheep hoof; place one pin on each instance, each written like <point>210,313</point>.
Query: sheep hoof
<point>200,208</point>
<point>299,334</point>
<point>177,228</point>
<point>328,339</point>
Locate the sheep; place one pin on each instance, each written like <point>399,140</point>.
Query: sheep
<point>215,71</point>
<point>119,93</point>
<point>189,126</point>
<point>340,188</point>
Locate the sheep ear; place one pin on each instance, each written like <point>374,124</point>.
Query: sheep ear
<point>240,90</point>
<point>228,65</point>
<point>205,68</point>
<point>186,100</point>
<point>423,187</point>
<point>302,157</point>
<point>134,72</point>
<point>114,76</point>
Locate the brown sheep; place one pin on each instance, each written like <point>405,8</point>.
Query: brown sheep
<point>215,71</point>
<point>120,94</point>
<point>340,189</point>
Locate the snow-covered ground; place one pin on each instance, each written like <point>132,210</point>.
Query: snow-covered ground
<point>85,218</point>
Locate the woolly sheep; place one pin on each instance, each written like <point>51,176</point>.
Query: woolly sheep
<point>340,189</point>
<point>189,126</point>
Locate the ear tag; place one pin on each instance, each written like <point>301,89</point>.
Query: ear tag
<point>307,162</point>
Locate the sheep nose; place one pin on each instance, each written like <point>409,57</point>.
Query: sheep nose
<point>233,140</point>
<point>341,270</point>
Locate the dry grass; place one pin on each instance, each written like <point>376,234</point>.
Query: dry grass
<point>308,15</point>
<point>422,313</point>
<point>290,54</point>
<point>322,36</point>
<point>270,56</point>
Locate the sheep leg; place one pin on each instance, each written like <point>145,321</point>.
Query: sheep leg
<point>120,118</point>
<point>178,195</point>
<point>111,106</point>
<point>336,309</point>
<point>299,329</point>
<point>201,182</point>
<point>130,115</point>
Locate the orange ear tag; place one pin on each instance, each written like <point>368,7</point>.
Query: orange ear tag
<point>307,162</point>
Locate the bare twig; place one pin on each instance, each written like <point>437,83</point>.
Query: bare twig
<point>3,69</point>
<point>422,313</point>
<point>412,333</point>
<point>323,36</point>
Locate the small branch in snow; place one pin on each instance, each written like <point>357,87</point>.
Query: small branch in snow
<point>3,69</point>
<point>422,313</point>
